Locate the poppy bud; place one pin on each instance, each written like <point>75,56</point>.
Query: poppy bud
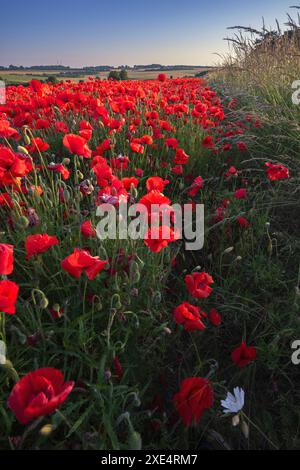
<point>116,301</point>
<point>21,222</point>
<point>27,138</point>
<point>11,370</point>
<point>135,440</point>
<point>66,161</point>
<point>79,175</point>
<point>167,330</point>
<point>156,298</point>
<point>43,302</point>
<point>23,150</point>
<point>135,275</point>
<point>228,250</point>
<point>107,375</point>
<point>47,430</point>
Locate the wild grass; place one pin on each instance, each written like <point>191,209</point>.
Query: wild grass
<point>259,71</point>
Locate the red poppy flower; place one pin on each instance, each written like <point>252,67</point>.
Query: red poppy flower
<point>277,172</point>
<point>196,186</point>
<point>158,238</point>
<point>8,296</point>
<point>156,183</point>
<point>241,146</point>
<point>208,142</point>
<point>241,193</point>
<point>154,198</point>
<point>181,158</point>
<point>172,143</point>
<point>243,355</point>
<point>40,243</point>
<point>137,148</point>
<point>6,259</point>
<point>189,316</point>
<point>38,393</point>
<point>118,368</point>
<point>6,131</point>
<point>195,396</point>
<point>162,77</point>
<point>243,223</point>
<point>38,144</point>
<point>60,168</point>
<point>215,318</point>
<point>198,285</point>
<point>81,260</point>
<point>129,182</point>
<point>77,145</point>
<point>88,230</point>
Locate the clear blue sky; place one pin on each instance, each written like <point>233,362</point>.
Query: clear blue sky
<point>114,32</point>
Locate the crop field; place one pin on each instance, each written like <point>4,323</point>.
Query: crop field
<point>23,77</point>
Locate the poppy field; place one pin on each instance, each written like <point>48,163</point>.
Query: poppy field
<point>142,344</point>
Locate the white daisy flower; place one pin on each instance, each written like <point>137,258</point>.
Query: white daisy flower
<point>234,402</point>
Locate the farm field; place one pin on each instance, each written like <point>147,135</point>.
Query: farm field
<point>25,77</point>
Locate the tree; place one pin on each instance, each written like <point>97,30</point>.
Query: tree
<point>114,75</point>
<point>52,79</point>
<point>123,74</point>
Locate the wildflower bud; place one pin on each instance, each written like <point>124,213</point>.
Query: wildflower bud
<point>197,268</point>
<point>43,302</point>
<point>156,298</point>
<point>27,139</point>
<point>135,440</point>
<point>268,225</point>
<point>116,301</point>
<point>80,175</point>
<point>32,216</point>
<point>228,250</point>
<point>21,222</point>
<point>66,161</point>
<point>47,430</point>
<point>107,375</point>
<point>181,186</point>
<point>134,292</point>
<point>23,150</point>
<point>8,366</point>
<point>167,330</point>
<point>67,195</point>
<point>237,259</point>
<point>136,400</point>
<point>236,421</point>
<point>245,429</point>
<point>135,275</point>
